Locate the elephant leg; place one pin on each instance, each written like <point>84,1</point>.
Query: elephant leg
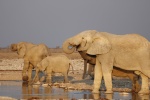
<point>25,68</point>
<point>144,85</point>
<point>135,84</point>
<point>145,67</point>
<point>66,78</point>
<point>36,75</point>
<point>107,74</point>
<point>85,68</point>
<point>30,72</point>
<point>97,77</point>
<point>48,78</point>
<point>91,70</point>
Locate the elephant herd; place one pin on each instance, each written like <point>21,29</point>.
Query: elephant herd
<point>38,57</point>
<point>107,55</point>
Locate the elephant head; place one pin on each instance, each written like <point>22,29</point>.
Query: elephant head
<point>13,47</point>
<point>21,48</point>
<point>92,41</point>
<point>41,66</point>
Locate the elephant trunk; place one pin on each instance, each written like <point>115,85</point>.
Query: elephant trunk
<point>13,47</point>
<point>36,74</point>
<point>68,48</point>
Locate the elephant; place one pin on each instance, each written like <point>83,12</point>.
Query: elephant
<point>128,52</point>
<point>88,59</point>
<point>21,48</point>
<point>32,54</point>
<point>53,64</point>
<point>91,59</point>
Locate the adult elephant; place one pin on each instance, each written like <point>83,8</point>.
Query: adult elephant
<point>91,60</point>
<point>128,52</point>
<point>21,48</point>
<point>32,54</point>
<point>88,59</point>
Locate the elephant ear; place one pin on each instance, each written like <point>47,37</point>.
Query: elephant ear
<point>21,48</point>
<point>44,64</point>
<point>100,45</point>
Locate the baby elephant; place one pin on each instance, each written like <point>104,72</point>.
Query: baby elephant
<point>56,64</point>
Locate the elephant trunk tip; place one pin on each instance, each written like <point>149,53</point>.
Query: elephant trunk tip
<point>13,47</point>
<point>67,48</point>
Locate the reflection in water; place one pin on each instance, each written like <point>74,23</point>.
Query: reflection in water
<point>136,96</point>
<point>54,92</point>
<point>24,91</point>
<point>36,91</point>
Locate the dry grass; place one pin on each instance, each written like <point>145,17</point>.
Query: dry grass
<point>6,53</point>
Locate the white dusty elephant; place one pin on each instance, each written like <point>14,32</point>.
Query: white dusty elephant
<point>53,64</point>
<point>128,52</point>
<point>91,60</point>
<point>32,54</point>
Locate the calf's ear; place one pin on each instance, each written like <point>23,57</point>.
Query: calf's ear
<point>44,64</point>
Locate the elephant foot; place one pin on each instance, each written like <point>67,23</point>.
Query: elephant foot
<point>25,78</point>
<point>109,91</point>
<point>95,91</point>
<point>144,91</point>
<point>42,79</point>
<point>92,75</point>
<point>136,88</point>
<point>88,77</point>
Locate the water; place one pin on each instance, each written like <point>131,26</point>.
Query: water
<point>19,90</point>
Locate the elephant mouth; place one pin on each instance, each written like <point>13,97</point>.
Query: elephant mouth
<point>82,47</point>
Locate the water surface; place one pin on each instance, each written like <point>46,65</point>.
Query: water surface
<point>19,90</point>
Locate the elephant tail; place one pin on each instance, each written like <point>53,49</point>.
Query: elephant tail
<point>70,65</point>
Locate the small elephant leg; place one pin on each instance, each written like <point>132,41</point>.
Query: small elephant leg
<point>97,77</point>
<point>48,78</point>
<point>66,78</point>
<point>91,70</point>
<point>36,75</point>
<point>85,68</point>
